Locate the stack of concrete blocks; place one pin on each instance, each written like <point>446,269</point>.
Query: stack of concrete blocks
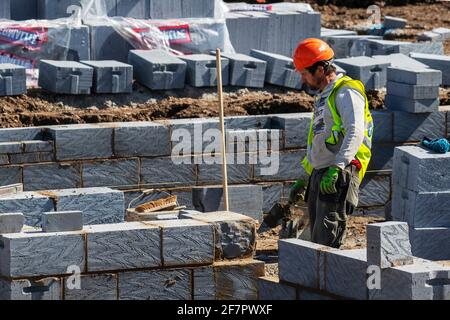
<point>394,22</point>
<point>65,77</point>
<point>437,62</point>
<point>111,76</point>
<point>400,60</point>
<point>202,70</point>
<point>280,69</point>
<point>347,45</point>
<point>49,10</point>
<point>199,257</point>
<point>98,205</point>
<point>437,34</point>
<point>23,10</point>
<point>384,47</point>
<point>158,69</point>
<point>366,69</point>
<point>26,152</point>
<point>167,9</point>
<point>246,71</point>
<point>413,90</point>
<point>310,271</point>
<point>13,80</point>
<point>272,31</point>
<point>11,222</point>
<point>420,198</point>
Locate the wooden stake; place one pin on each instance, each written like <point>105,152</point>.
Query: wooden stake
<point>222,128</point>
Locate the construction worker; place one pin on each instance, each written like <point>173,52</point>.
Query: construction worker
<point>339,142</point>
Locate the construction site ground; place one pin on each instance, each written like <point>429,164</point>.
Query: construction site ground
<point>40,108</point>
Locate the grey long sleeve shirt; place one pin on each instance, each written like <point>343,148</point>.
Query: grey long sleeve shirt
<point>350,105</point>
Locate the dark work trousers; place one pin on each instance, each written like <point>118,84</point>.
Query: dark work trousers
<point>328,213</point>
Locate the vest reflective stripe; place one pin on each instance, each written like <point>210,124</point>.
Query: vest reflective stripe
<point>364,152</point>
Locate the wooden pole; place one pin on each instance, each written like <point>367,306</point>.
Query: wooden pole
<point>222,129</point>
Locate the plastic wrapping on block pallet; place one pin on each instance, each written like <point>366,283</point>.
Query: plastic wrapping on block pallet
<point>179,36</point>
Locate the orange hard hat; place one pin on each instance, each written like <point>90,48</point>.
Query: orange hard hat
<point>311,51</point>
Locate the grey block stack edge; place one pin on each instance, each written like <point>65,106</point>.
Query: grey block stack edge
<point>12,80</point>
<point>437,62</point>
<point>111,76</point>
<point>202,70</point>
<point>413,90</point>
<point>280,69</point>
<point>158,69</point>
<point>246,71</point>
<point>67,77</point>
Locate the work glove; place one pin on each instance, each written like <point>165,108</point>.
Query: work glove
<point>296,191</point>
<point>329,179</point>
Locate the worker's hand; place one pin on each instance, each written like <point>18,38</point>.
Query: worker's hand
<point>296,190</point>
<point>329,179</point>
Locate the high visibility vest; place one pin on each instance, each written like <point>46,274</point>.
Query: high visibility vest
<point>364,152</point>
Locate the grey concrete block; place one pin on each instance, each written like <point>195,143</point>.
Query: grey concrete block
<point>301,262</point>
<point>210,170</point>
<point>203,283</point>
<point>202,70</point>
<point>106,42</point>
<point>20,134</point>
<point>437,62</point>
<point>272,193</point>
<point>12,79</point>
<point>31,204</point>
<point>158,69</point>
<point>10,175</point>
<point>168,9</point>
<point>252,140</point>
<point>235,234</point>
<point>374,191</point>
<point>30,254</point>
<point>112,173</point>
<point>270,288</point>
<point>111,76</point>
<point>421,209</point>
<point>413,127</point>
<point>92,287</point>
<point>430,243</point>
<point>417,169</point>
<point>122,246</point>
<point>397,103</point>
<point>412,91</point>
<point>244,199</point>
<point>296,128</point>
<point>394,22</point>
<point>132,139</point>
<point>82,141</point>
<point>138,9</point>
<point>11,147</point>
<point>344,273</point>
<point>184,197</point>
<point>423,280</point>
<point>336,32</point>
<point>170,171</point>
<point>419,77</point>
<point>11,222</point>
<point>67,77</point>
<point>246,71</point>
<point>368,70</point>
<point>248,122</point>
<point>155,285</point>
<point>382,120</point>
<point>385,47</point>
<point>399,60</point>
<point>238,280</point>
<point>388,244</point>
<point>314,295</point>
<point>37,146</point>
<point>61,221</point>
<point>51,176</point>
<point>27,289</point>
<point>99,205</point>
<point>186,242</point>
<point>281,166</point>
<point>34,157</point>
<point>280,69</point>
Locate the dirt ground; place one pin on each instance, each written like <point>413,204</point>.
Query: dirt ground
<point>40,108</point>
